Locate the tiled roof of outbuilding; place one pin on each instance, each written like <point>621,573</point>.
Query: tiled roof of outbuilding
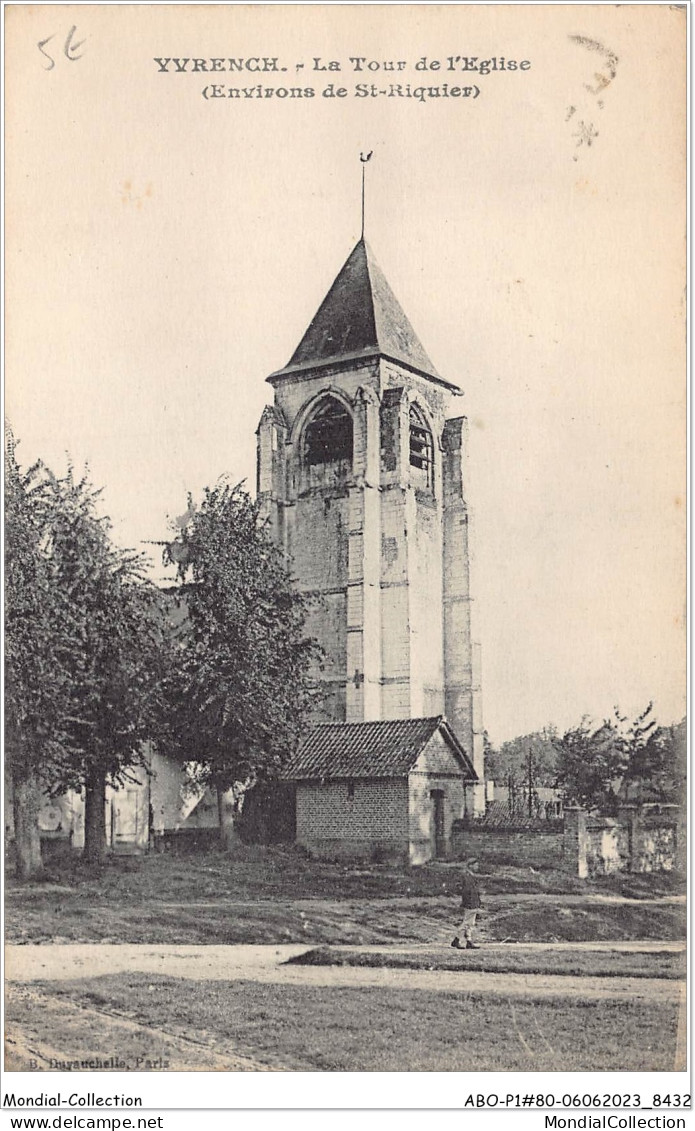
<point>385,749</point>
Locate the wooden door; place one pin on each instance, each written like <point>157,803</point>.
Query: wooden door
<point>438,822</point>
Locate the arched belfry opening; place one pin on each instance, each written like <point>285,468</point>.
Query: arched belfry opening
<point>327,444</point>
<point>421,450</point>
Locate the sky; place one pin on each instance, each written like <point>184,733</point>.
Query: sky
<point>166,252</point>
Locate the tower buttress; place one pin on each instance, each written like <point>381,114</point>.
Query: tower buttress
<point>461,663</point>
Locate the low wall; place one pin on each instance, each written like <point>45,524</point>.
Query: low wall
<point>531,847</point>
<point>655,846</point>
<point>607,847</point>
<point>642,838</point>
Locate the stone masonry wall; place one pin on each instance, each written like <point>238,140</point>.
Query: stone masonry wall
<point>318,545</point>
<point>437,769</point>
<point>422,833</point>
<point>642,838</point>
<point>384,555</point>
<point>426,641</point>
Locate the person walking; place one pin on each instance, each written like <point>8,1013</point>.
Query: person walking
<point>470,906</point>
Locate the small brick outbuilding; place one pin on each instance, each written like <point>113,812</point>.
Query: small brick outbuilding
<point>381,791</point>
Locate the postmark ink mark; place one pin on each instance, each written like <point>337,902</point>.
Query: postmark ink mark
<point>585,134</point>
<point>602,78</point>
<point>600,81</point>
<point>70,49</point>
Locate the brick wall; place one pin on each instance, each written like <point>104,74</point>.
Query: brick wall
<point>502,846</point>
<point>377,809</point>
<point>373,823</point>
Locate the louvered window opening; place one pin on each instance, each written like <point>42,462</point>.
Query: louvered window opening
<point>329,435</point>
<point>421,450</point>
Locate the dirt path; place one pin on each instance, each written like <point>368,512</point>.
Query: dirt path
<point>26,964</point>
<point>44,1026</point>
<point>406,901</point>
<point>610,946</point>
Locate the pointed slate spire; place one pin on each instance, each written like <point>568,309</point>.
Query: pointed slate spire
<point>360,317</point>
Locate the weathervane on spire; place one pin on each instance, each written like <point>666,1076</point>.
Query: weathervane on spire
<point>364,158</point>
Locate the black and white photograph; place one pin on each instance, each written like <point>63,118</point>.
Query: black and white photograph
<point>345,556</point>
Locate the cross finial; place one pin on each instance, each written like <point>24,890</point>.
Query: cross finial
<point>364,158</point>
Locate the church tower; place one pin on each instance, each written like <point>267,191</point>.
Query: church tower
<point>362,477</point>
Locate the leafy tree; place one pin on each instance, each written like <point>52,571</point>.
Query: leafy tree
<point>596,764</point>
<point>632,735</point>
<point>591,761</point>
<point>85,653</point>
<point>38,632</point>
<point>490,758</point>
<point>523,764</point>
<point>116,655</point>
<point>241,689</point>
<point>657,765</point>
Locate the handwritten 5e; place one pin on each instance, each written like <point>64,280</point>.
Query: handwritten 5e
<point>69,48</point>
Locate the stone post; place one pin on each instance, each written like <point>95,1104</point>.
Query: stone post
<point>575,843</point>
<point>628,815</point>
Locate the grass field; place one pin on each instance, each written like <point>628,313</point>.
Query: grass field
<point>314,1028</point>
<point>284,871</point>
<point>596,963</point>
<point>279,895</point>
